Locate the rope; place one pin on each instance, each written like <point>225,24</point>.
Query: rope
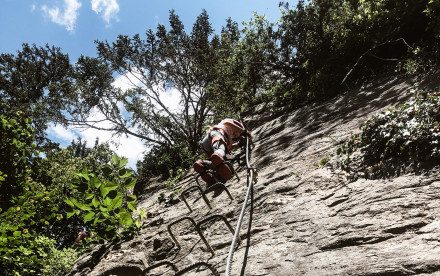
<point>243,209</point>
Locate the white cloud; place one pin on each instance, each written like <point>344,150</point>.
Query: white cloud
<point>171,99</point>
<point>128,146</point>
<point>33,8</point>
<point>108,8</point>
<point>67,17</point>
<point>61,133</point>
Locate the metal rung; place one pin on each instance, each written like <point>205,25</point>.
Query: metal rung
<point>195,265</point>
<point>199,224</point>
<point>218,185</point>
<point>197,229</point>
<point>156,265</point>
<point>182,195</point>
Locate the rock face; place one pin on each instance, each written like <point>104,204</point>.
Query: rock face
<point>304,219</point>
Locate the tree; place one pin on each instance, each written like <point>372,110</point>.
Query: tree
<point>166,61</point>
<point>16,149</point>
<point>245,66</point>
<point>39,82</point>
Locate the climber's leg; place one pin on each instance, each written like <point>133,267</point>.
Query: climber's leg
<point>201,167</point>
<point>217,159</point>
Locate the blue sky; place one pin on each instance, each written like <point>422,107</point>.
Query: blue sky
<point>74,25</point>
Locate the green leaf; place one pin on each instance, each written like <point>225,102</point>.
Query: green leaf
<point>17,233</point>
<point>131,205</point>
<point>68,201</point>
<point>110,184</point>
<point>123,173</point>
<point>115,159</point>
<point>109,228</point>
<point>107,170</point>
<point>88,217</point>
<point>103,209</point>
<point>81,206</point>
<point>116,202</point>
<point>142,213</point>
<point>104,191</point>
<point>131,198</point>
<point>125,218</point>
<point>95,182</point>
<point>95,202</point>
<point>83,174</point>
<point>123,162</point>
<point>138,223</point>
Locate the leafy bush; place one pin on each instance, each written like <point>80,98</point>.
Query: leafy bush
<point>56,262</point>
<point>24,230</point>
<point>401,137</point>
<point>16,149</point>
<point>104,203</point>
<point>165,161</point>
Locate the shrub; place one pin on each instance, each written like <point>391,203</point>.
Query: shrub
<point>104,201</point>
<point>401,137</point>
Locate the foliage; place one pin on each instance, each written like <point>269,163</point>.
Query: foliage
<point>33,213</point>
<point>175,177</point>
<point>37,81</point>
<point>407,135</point>
<point>28,230</point>
<point>104,202</point>
<point>324,43</point>
<point>244,67</point>
<point>162,160</point>
<point>16,148</point>
<point>56,262</point>
<point>166,61</point>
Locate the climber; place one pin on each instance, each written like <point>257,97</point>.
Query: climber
<point>219,141</point>
<point>81,235</point>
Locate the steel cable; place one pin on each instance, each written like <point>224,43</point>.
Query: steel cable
<point>243,209</point>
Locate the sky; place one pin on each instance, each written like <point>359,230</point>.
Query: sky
<point>74,25</point>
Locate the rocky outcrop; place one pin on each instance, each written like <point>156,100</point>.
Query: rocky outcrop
<point>304,219</point>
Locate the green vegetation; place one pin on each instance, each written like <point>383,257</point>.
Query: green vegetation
<point>403,138</point>
<point>313,52</point>
<point>104,203</point>
<point>36,228</point>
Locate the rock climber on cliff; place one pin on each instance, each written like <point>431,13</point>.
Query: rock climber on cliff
<point>219,141</point>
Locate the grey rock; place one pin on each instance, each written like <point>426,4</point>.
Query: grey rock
<point>306,219</point>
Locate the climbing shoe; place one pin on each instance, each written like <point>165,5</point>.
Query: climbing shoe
<point>223,169</point>
<point>201,168</point>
